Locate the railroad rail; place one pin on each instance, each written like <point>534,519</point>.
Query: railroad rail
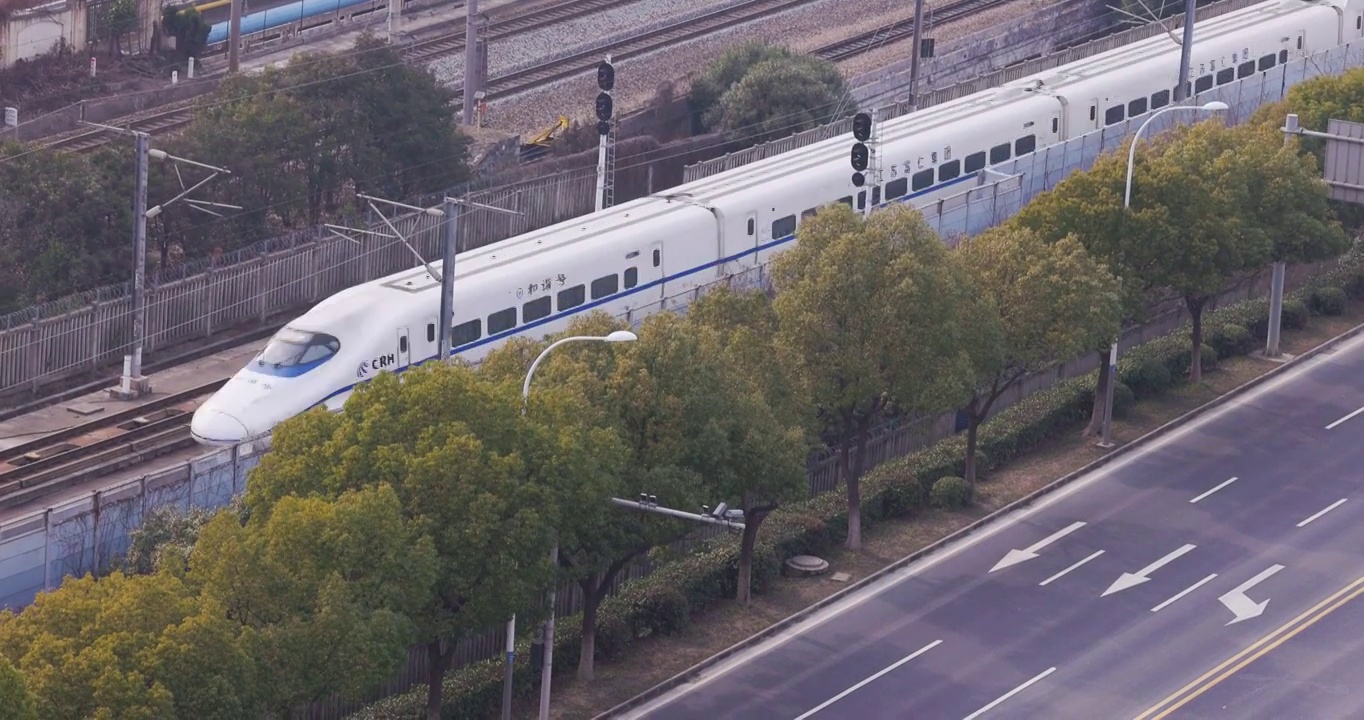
<point>96,448</point>
<point>901,30</point>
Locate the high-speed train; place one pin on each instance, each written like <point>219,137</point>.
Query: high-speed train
<point>629,257</point>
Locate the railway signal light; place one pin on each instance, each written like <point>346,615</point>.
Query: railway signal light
<point>604,106</point>
<point>859,179</point>
<point>860,155</point>
<point>862,127</point>
<point>606,76</point>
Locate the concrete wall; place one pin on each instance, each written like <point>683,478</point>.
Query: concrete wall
<point>27,34</point>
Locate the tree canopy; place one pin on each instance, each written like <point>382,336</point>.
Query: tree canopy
<point>762,92</point>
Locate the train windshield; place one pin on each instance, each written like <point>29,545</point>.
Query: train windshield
<point>290,347</point>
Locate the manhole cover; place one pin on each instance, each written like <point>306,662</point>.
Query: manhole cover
<point>806,565</point>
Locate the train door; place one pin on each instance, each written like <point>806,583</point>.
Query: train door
<point>751,238</point>
<point>658,271</point>
<point>1095,120</point>
<point>404,349</point>
<point>763,237</point>
<point>432,342</point>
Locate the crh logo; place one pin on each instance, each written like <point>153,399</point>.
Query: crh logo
<point>383,361</point>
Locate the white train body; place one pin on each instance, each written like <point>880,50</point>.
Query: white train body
<point>630,256</point>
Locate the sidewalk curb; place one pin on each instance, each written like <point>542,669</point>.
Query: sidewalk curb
<point>693,672</point>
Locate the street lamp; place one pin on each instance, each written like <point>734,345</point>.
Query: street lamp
<point>548,669</point>
<point>1214,106</point>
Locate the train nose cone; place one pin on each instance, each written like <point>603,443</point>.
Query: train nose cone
<point>214,427</point>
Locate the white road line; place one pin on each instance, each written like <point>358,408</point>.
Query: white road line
<point>1329,508</point>
<point>1072,567</point>
<point>1009,694</point>
<point>1347,417</point>
<point>1186,591</point>
<point>1219,487</point>
<point>854,688</point>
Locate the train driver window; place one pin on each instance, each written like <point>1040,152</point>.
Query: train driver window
<point>1025,145</point>
<point>572,297</point>
<point>1245,69</point>
<point>999,154</point>
<point>949,171</point>
<point>1265,62</point>
<point>1113,115</point>
<point>290,347</point>
<point>1136,107</point>
<point>1226,75</point>
<point>898,187</point>
<point>501,321</point>
<point>536,309</point>
<point>750,227</point>
<point>975,161</point>
<point>1160,99</point>
<point>465,333</point>
<point>631,277</point>
<point>605,285</point>
<point>922,180</point>
<point>783,227</point>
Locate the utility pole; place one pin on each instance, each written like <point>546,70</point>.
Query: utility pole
<point>133,384</point>
<point>917,51</point>
<point>448,210</point>
<point>1280,268</point>
<point>234,36</point>
<point>395,19</point>
<point>1186,50</point>
<point>470,59</point>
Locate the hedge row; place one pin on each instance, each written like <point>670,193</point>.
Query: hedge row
<point>665,601</point>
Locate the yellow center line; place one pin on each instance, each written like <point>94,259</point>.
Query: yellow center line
<point>1255,651</point>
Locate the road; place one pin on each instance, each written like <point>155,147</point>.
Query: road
<point>1115,596</point>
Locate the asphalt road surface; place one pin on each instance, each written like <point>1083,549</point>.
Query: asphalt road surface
<point>1140,591</point>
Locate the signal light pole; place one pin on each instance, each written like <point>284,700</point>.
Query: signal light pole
<point>606,146</point>
<point>863,153</point>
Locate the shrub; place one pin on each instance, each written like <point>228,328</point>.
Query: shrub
<point>1295,314</point>
<point>1327,300</point>
<point>1230,339</point>
<point>661,609</point>
<point>951,492</point>
<point>1123,399</point>
<point>1148,377</point>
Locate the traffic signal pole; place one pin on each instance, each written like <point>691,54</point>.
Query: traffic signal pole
<point>606,81</point>
<point>864,126</point>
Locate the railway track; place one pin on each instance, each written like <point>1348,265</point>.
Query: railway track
<point>902,30</point>
<point>453,42</point>
<point>96,448</point>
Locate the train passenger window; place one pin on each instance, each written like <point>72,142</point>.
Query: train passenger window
<point>1266,62</point>
<point>975,161</point>
<point>631,277</point>
<point>1245,69</point>
<point>846,200</point>
<point>1160,99</point>
<point>572,297</point>
<point>807,214</point>
<point>501,321</point>
<point>1202,84</point>
<point>1283,56</point>
<point>1114,115</point>
<point>949,171</point>
<point>922,179</point>
<point>536,309</point>
<point>1226,75</point>
<point>465,333</point>
<point>899,186</point>
<point>999,154</point>
<point>750,227</point>
<point>658,256</point>
<point>430,332</point>
<point>402,343</point>
<point>1025,145</point>
<point>1136,107</point>
<point>783,227</point>
<point>291,347</point>
<point>605,285</point>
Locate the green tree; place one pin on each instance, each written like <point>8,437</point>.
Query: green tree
<point>469,476</point>
<point>769,415</point>
<point>779,97</point>
<point>723,73</point>
<point>1041,303</point>
<point>17,702</point>
<point>868,312</point>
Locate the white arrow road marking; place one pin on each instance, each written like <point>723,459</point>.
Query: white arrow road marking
<point>1015,557</point>
<point>1243,607</point>
<point>1127,580</point>
<point>1329,508</point>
